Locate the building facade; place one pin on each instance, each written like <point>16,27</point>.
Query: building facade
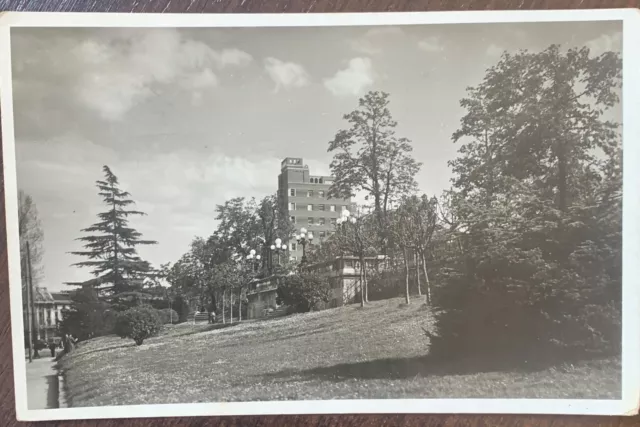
<point>344,277</point>
<point>48,308</point>
<point>305,199</point>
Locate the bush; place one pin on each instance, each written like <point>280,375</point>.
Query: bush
<point>305,292</point>
<point>138,323</point>
<point>168,315</point>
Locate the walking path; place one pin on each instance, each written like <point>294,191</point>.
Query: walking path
<point>42,383</point>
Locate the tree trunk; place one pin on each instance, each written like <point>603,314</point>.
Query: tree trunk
<point>224,319</point>
<point>240,305</point>
<point>231,306</point>
<point>363,297</point>
<point>426,278</point>
<point>417,262</point>
<point>361,288</point>
<point>366,283</point>
<point>406,274</point>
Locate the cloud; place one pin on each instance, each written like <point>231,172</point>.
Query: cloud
<point>352,80</point>
<point>126,69</point>
<point>605,43</point>
<point>431,44</point>
<point>233,57</point>
<point>370,43</point>
<point>286,75</point>
<point>494,50</point>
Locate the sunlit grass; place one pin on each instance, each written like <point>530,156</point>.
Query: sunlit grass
<point>348,352</point>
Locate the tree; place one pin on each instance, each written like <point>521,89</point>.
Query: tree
<point>356,236</point>
<point>138,323</point>
<point>305,291</point>
<point>403,235</point>
<point>274,224</point>
<point>370,157</point>
<point>89,317</point>
<point>111,244</point>
<point>535,210</point>
<point>419,216</point>
<point>538,117</point>
<point>30,230</point>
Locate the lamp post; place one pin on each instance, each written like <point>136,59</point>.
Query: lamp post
<point>304,238</point>
<point>277,248</point>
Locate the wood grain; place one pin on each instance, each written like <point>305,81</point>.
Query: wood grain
<point>7,403</point>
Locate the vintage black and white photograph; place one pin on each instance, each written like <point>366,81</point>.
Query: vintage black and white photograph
<point>317,213</point>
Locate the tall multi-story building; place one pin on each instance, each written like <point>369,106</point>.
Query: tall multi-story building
<point>304,197</point>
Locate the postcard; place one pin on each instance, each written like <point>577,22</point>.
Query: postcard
<point>322,213</point>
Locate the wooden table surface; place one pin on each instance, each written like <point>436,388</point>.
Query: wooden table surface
<point>7,407</point>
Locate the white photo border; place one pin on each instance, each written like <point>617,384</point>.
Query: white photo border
<point>627,405</point>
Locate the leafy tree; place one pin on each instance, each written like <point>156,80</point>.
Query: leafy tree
<point>111,244</point>
<point>89,317</point>
<point>370,157</point>
<point>30,230</point>
<point>305,291</point>
<point>536,212</point>
<point>274,224</point>
<point>138,323</point>
<point>415,223</point>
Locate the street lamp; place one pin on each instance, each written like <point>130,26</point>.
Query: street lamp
<point>277,248</point>
<point>253,259</point>
<point>346,218</point>
<point>304,238</point>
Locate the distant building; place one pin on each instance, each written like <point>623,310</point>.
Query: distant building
<point>304,197</point>
<point>48,307</point>
<point>343,273</point>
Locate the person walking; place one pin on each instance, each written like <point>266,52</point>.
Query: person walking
<point>52,348</point>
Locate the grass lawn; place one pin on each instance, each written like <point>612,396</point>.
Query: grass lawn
<point>344,353</point>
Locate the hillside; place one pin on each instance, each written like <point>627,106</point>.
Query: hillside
<point>376,352</point>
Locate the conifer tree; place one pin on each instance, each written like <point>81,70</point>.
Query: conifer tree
<point>110,245</point>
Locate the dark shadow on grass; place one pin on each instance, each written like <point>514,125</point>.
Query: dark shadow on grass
<point>423,366</point>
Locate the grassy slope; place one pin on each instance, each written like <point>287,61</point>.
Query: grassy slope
<point>378,352</point>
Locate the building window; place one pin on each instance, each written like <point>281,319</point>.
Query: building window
<point>309,207</point>
<point>320,207</point>
<point>321,221</point>
<point>322,234</point>
<point>320,193</point>
<point>343,208</point>
<point>292,192</point>
<point>292,206</point>
<point>333,221</point>
<point>294,258</point>
<point>310,221</point>
<point>293,246</point>
<point>332,208</point>
<point>309,193</point>
<point>293,219</point>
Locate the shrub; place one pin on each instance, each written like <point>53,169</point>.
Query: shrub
<point>168,315</point>
<point>138,323</point>
<point>305,292</point>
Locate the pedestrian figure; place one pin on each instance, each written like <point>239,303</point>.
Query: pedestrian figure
<point>212,317</point>
<point>52,348</point>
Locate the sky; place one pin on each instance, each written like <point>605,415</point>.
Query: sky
<point>188,118</point>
